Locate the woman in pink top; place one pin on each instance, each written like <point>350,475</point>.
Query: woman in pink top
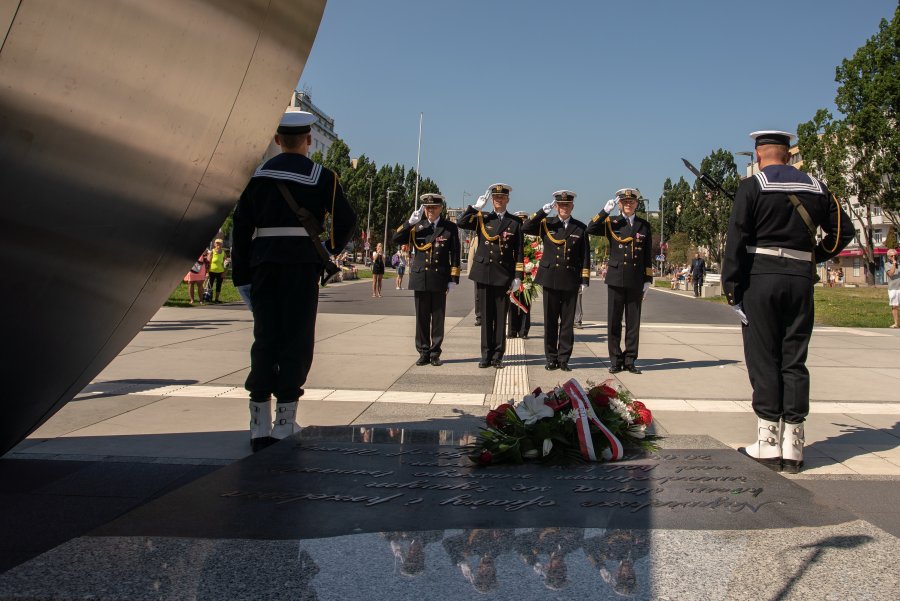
<point>197,279</point>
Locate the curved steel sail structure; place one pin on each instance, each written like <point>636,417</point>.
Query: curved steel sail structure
<point>128,129</point>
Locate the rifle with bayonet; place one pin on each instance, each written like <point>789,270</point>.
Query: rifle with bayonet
<point>707,180</point>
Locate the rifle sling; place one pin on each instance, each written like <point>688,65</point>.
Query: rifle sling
<point>313,228</point>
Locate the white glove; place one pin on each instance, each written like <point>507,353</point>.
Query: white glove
<point>582,288</point>
<point>451,286</point>
<point>739,309</point>
<point>646,288</point>
<point>416,217</point>
<point>516,283</point>
<point>548,207</point>
<point>610,205</point>
<point>482,200</point>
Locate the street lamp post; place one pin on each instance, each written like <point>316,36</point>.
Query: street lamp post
<point>387,210</point>
<point>749,155</point>
<point>369,220</point>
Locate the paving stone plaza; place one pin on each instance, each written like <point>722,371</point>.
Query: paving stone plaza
<point>150,466</point>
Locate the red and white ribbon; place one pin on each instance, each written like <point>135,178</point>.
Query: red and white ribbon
<point>585,417</point>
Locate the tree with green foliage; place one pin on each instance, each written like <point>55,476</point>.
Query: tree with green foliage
<point>672,202</point>
<point>705,217</point>
<point>680,249</point>
<point>860,154</point>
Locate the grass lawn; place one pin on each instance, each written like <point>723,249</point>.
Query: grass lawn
<point>847,307</point>
<point>180,298</point>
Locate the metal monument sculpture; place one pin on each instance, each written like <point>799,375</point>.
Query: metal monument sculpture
<point>127,131</point>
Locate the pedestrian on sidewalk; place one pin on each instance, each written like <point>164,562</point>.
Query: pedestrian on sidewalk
<point>196,277</point>
<point>628,276</point>
<point>216,268</point>
<point>698,272</point>
<point>768,273</point>
<point>497,268</point>
<point>564,272</point>
<point>377,270</point>
<point>277,250</point>
<point>434,272</point>
<point>893,276</point>
<point>402,262</point>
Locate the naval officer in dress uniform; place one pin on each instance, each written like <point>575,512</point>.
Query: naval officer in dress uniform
<point>433,271</point>
<point>768,275</point>
<point>497,267</point>
<point>628,274</point>
<point>564,271</point>
<point>275,254</point>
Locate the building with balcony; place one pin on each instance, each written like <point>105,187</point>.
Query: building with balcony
<point>323,129</point>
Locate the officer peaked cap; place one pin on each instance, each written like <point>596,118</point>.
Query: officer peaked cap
<point>626,193</point>
<point>501,189</point>
<point>564,196</point>
<point>431,200</point>
<point>296,122</point>
<point>772,136</point>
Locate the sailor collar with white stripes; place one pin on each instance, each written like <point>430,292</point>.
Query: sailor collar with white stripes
<point>307,180</point>
<point>784,178</point>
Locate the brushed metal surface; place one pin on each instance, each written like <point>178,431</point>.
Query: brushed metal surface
<point>128,130</point>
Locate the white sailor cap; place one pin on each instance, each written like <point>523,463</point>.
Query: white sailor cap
<point>564,196</point>
<point>296,122</point>
<point>772,136</point>
<point>627,193</point>
<point>501,189</point>
<point>431,200</point>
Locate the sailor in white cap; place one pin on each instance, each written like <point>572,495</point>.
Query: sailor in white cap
<point>768,274</point>
<point>628,274</point>
<point>434,242</point>
<point>564,272</point>
<point>278,251</point>
<point>497,269</point>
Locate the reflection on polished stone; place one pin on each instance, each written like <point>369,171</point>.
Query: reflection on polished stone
<point>394,514</point>
<point>503,564</point>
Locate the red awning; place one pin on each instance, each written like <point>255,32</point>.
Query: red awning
<point>858,252</point>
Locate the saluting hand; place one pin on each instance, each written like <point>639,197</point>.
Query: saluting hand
<point>416,217</point>
<point>609,206</point>
<point>548,207</point>
<point>482,200</point>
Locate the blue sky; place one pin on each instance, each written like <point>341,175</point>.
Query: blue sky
<point>586,95</point>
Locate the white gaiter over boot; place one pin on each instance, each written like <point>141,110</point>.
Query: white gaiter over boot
<point>260,424</point>
<point>792,447</point>
<point>285,420</point>
<point>767,448</point>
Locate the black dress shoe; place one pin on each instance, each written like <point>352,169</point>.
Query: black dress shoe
<point>484,364</point>
<point>423,360</point>
<point>615,369</point>
<point>632,369</point>
<point>477,322</point>
<point>436,361</point>
<point>551,365</point>
<point>565,366</point>
<point>498,363</point>
<point>512,335</point>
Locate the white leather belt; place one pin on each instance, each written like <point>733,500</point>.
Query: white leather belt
<point>268,232</point>
<point>788,253</point>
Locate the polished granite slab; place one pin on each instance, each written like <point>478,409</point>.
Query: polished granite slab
<point>368,513</point>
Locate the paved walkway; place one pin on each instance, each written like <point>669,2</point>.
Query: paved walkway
<point>175,393</point>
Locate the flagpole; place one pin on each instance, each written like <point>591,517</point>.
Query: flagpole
<point>418,153</point>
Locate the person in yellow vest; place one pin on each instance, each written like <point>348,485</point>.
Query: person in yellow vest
<point>216,268</point>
